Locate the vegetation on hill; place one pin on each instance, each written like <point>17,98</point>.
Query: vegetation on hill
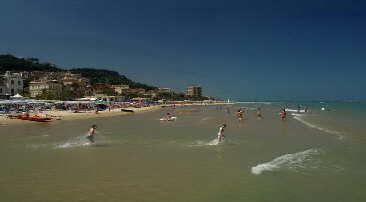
<point>109,77</point>
<point>12,63</point>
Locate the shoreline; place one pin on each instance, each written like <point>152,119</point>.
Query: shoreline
<point>66,115</point>
<point>71,115</point>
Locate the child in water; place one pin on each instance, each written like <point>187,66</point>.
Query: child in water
<point>220,136</point>
<point>90,136</point>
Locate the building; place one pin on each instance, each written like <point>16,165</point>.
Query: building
<point>77,85</point>
<point>10,85</point>
<point>195,91</point>
<point>121,89</point>
<point>36,87</point>
<point>164,90</point>
<point>103,97</point>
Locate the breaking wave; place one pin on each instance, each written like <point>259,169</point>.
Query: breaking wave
<point>293,162</point>
<point>299,118</point>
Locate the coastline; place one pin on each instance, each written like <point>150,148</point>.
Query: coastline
<point>71,115</point>
<point>66,115</point>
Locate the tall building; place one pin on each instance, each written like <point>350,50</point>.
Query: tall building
<point>194,91</point>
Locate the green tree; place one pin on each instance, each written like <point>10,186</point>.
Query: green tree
<point>47,95</point>
<point>109,92</point>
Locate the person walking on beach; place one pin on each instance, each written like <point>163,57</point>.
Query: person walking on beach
<point>90,136</point>
<point>220,136</point>
<point>283,115</point>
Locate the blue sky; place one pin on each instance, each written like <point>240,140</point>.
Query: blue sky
<point>235,49</point>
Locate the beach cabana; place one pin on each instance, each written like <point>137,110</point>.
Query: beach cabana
<point>17,97</point>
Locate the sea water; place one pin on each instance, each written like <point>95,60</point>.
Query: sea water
<point>315,156</point>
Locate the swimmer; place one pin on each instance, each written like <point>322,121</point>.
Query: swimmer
<point>90,136</point>
<point>167,117</point>
<point>220,136</point>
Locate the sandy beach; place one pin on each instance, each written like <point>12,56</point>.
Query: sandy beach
<point>71,115</point>
<point>61,115</point>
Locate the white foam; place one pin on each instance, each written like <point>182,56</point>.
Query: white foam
<point>288,161</point>
<point>298,117</point>
<point>73,142</point>
<point>295,110</point>
<point>206,119</point>
<point>213,142</point>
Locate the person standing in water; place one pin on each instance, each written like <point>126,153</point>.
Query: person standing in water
<point>283,115</point>
<point>90,136</point>
<point>259,114</point>
<point>228,111</point>
<point>220,136</point>
<point>239,114</point>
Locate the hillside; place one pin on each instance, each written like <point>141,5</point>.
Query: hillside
<point>11,63</point>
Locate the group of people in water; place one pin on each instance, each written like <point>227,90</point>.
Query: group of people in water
<point>220,136</point>
<point>240,113</point>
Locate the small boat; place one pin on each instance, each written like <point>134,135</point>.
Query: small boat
<point>173,118</point>
<point>39,119</point>
<point>12,116</point>
<point>127,110</point>
<point>23,117</point>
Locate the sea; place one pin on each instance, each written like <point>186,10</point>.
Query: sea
<point>315,156</point>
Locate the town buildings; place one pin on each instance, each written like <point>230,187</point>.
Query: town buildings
<point>57,83</point>
<point>69,86</point>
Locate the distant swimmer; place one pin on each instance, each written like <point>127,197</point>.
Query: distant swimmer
<point>90,136</point>
<point>283,115</point>
<point>306,109</point>
<point>259,114</point>
<point>298,108</point>
<point>239,114</point>
<point>220,136</point>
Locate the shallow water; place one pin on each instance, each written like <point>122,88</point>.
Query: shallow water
<point>318,156</point>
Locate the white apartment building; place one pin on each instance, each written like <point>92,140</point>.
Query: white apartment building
<point>36,87</point>
<point>10,84</point>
